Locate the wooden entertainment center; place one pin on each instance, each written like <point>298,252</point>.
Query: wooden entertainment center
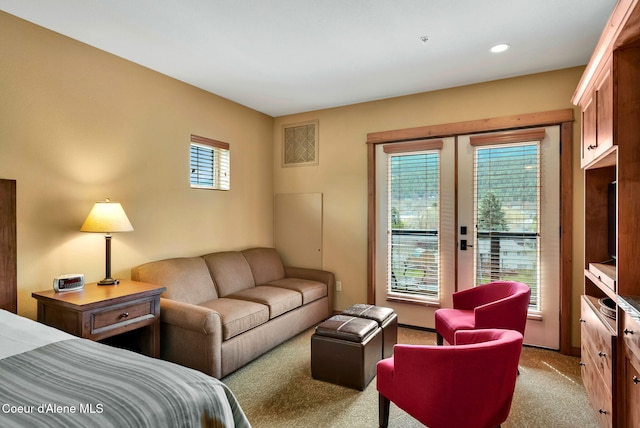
<point>609,96</point>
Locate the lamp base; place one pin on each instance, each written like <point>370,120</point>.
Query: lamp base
<point>109,281</point>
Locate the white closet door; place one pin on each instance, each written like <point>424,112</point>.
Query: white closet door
<point>298,229</point>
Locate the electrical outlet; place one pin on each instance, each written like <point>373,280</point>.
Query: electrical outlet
<point>338,285</point>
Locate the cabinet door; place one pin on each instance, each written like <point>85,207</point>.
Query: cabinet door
<point>597,118</point>
<point>589,142</point>
<point>596,360</point>
<point>631,371</point>
<point>632,391</point>
<point>598,340</point>
<point>604,111</point>
<point>597,391</point>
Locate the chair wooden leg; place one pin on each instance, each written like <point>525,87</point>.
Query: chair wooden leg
<point>383,410</point>
<point>439,339</point>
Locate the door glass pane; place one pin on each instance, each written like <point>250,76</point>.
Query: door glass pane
<point>414,222</point>
<point>507,213</point>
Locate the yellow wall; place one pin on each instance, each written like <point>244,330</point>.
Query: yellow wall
<point>79,125</point>
<point>341,175</point>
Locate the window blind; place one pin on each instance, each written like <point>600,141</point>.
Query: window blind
<point>507,185</point>
<point>414,220</point>
<point>209,164</point>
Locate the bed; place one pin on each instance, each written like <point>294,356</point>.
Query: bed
<point>49,378</point>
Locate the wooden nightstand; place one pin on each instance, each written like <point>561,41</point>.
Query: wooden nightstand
<point>101,312</point>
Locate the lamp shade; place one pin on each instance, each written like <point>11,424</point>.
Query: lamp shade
<point>107,217</point>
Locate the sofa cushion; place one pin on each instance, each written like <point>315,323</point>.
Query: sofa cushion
<point>238,316</point>
<point>186,279</point>
<point>265,264</point>
<point>279,300</point>
<point>310,290</point>
<point>230,271</point>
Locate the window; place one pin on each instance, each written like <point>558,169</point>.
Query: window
<point>414,220</point>
<point>507,192</point>
<point>209,164</point>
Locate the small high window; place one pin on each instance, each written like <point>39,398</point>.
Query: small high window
<point>209,164</point>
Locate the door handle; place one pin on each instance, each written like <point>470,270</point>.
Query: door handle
<point>464,245</point>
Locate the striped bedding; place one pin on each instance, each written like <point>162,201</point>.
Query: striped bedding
<point>80,383</point>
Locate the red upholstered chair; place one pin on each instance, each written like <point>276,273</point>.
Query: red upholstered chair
<point>499,304</point>
<point>467,385</point>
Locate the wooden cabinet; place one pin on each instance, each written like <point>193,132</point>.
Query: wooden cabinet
<point>609,97</point>
<point>597,117</point>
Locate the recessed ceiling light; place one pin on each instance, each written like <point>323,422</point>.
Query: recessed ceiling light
<point>500,48</point>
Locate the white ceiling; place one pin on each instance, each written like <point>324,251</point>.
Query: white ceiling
<point>289,56</point>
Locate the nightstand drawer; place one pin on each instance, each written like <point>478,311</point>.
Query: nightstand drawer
<point>121,315</point>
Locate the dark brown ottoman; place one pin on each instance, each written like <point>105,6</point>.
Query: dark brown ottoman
<point>345,350</point>
<point>386,319</point>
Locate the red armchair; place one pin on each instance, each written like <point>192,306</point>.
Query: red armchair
<point>500,304</point>
<point>467,385</point>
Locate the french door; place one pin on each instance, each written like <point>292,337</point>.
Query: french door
<point>466,210</point>
<point>415,264</point>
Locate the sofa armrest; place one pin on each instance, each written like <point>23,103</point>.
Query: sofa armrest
<point>190,317</point>
<point>315,275</point>
<point>191,336</point>
<point>310,274</point>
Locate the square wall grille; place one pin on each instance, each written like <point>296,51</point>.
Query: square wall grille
<point>300,145</point>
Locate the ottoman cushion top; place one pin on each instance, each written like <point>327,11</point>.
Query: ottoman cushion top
<point>377,313</point>
<point>347,328</point>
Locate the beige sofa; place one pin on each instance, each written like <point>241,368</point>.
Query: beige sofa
<point>222,310</point>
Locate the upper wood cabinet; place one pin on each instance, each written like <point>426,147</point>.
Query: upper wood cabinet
<point>597,117</point>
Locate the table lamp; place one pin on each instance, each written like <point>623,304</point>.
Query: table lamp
<point>107,217</point>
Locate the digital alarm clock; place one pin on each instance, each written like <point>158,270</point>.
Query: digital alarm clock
<point>68,282</point>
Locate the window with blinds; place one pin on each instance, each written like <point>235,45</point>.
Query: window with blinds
<point>507,186</point>
<point>413,220</point>
<point>209,164</point>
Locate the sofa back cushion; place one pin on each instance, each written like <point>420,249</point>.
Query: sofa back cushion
<point>265,263</point>
<point>230,272</point>
<point>187,279</point>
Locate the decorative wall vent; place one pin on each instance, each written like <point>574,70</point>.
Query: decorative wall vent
<point>300,144</point>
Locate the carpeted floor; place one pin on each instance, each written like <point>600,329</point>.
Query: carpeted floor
<point>277,391</point>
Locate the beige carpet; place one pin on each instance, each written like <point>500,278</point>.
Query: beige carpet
<point>277,391</point>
